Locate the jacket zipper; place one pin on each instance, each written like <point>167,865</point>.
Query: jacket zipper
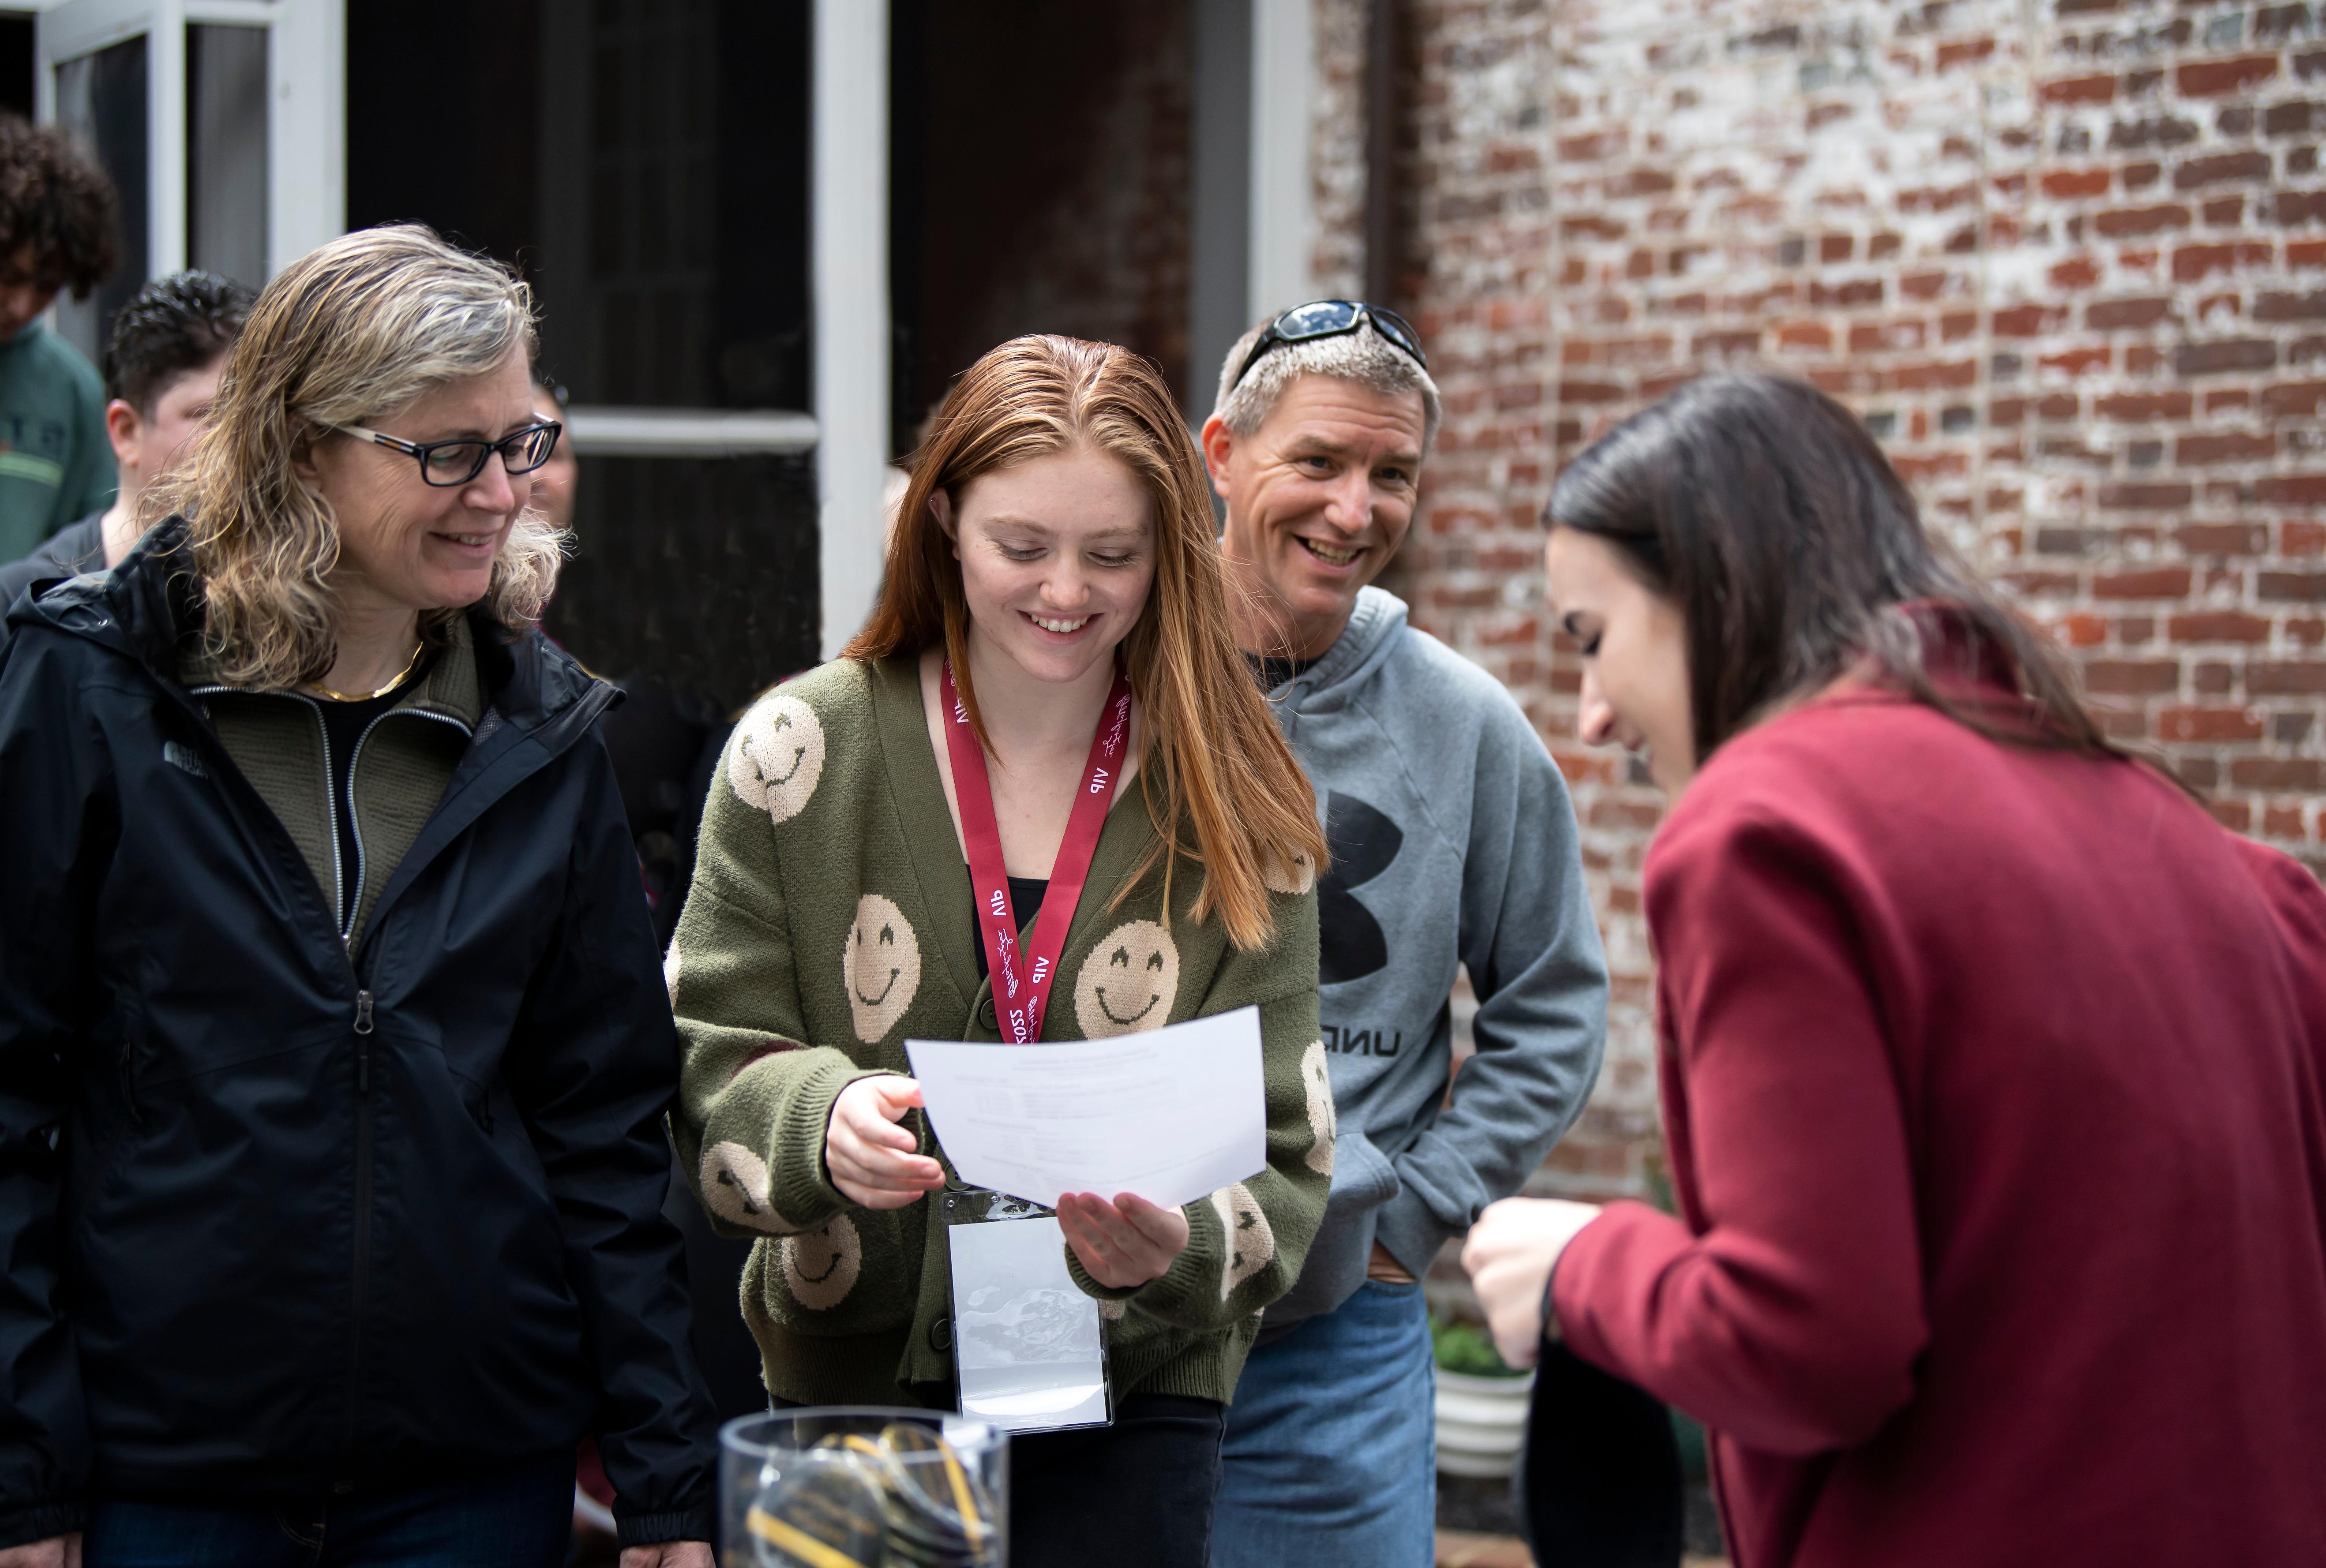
<point>355,824</point>
<point>359,1281</point>
<point>129,1081</point>
<point>331,818</point>
<point>359,1269</point>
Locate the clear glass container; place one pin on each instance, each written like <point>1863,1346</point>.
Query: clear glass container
<point>864,1487</point>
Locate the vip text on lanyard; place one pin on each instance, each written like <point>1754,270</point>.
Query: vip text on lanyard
<point>1021,993</point>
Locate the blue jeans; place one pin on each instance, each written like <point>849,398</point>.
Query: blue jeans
<point>1330,1456</point>
<point>519,1517</point>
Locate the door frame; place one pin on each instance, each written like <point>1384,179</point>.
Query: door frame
<point>79,28</point>
<point>306,120</point>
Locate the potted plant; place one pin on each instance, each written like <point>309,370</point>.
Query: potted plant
<point>1482,1404</point>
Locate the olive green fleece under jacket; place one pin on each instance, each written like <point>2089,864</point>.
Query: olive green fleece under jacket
<point>831,919</point>
<point>406,759</point>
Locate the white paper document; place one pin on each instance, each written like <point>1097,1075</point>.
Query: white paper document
<point>1172,1114</point>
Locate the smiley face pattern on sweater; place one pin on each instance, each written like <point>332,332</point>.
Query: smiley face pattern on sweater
<point>777,758</point>
<point>1295,878</point>
<point>1128,982</point>
<point>1324,1122</point>
<point>881,967</point>
<point>735,1188</point>
<point>822,1267</point>
<point>1250,1244</point>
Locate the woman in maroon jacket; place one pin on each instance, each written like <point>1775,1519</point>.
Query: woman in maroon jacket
<point>1991,1064</point>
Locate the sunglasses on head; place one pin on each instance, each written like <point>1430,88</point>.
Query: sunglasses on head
<point>1333,318</point>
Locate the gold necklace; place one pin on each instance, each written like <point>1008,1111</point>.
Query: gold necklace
<point>404,674</point>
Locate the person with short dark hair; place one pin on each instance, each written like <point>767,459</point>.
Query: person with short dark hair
<point>57,214</point>
<point>1990,1065</point>
<point>163,366</point>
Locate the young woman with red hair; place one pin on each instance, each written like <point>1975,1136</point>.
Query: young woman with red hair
<point>1052,629</point>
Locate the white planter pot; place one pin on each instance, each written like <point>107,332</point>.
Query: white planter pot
<point>1481,1422</point>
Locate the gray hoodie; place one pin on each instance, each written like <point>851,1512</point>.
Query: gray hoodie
<point>1453,844</point>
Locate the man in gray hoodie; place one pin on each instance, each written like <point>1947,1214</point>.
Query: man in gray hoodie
<point>1453,844</point>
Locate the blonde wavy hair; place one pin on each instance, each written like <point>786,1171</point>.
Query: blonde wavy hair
<point>1221,786</point>
<point>347,334</point>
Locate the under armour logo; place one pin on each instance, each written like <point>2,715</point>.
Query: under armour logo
<point>1364,843</point>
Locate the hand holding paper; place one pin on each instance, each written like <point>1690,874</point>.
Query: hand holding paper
<point>1125,1243</point>
<point>1171,1115</point>
<point>872,1160</point>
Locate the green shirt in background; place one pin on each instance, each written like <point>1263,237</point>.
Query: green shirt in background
<point>56,464</point>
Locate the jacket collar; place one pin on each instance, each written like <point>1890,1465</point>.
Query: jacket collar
<point>150,609</point>
<point>139,609</point>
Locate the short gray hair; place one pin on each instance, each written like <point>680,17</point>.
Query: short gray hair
<point>1363,356</point>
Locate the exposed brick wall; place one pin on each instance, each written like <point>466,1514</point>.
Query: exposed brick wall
<point>2067,257</point>
<point>1336,150</point>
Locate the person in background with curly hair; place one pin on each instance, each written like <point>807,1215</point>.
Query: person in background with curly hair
<point>57,220</point>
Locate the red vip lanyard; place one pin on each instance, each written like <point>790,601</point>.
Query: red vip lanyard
<point>1020,993</point>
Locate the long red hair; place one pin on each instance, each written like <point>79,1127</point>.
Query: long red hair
<point>1220,785</point>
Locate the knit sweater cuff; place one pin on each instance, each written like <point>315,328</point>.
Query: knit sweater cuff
<point>802,1186</point>
<point>1172,1293</point>
<point>1091,1287</point>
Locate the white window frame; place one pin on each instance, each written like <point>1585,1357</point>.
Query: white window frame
<point>306,122</point>
<point>852,331</point>
<point>79,28</point>
<point>1283,202</point>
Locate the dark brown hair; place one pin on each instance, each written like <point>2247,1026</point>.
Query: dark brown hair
<point>172,328</point>
<point>1219,784</point>
<point>1766,513</point>
<point>56,199</point>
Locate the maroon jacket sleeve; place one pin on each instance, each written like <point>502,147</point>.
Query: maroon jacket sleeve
<point>1789,1317</point>
<point>2299,905</point>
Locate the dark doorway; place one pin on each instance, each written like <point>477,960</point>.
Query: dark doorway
<point>644,164</point>
<point>16,63</point>
<point>1041,177</point>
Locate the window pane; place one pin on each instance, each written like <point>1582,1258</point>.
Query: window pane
<point>699,571</point>
<point>226,151</point>
<point>101,103</point>
<point>644,163</point>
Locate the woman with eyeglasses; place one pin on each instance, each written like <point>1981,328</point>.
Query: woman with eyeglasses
<point>333,1047</point>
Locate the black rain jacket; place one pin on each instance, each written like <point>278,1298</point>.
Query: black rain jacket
<point>279,1219</point>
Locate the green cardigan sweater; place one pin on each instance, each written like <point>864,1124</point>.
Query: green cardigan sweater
<point>831,919</point>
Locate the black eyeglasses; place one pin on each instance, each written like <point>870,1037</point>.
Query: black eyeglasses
<point>1334,318</point>
<point>445,464</point>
